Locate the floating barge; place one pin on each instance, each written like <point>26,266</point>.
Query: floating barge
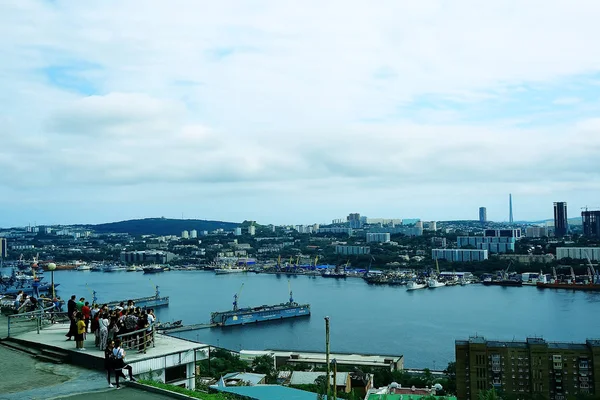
<point>249,315</point>
<point>143,302</point>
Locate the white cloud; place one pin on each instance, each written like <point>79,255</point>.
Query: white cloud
<point>273,96</point>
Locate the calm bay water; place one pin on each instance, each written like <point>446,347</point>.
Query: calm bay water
<point>422,325</point>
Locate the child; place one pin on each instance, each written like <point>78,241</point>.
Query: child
<point>80,332</point>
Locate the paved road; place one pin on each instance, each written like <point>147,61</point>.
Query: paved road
<point>22,377</point>
<point>125,393</point>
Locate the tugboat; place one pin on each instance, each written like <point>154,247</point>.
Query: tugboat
<point>242,316</point>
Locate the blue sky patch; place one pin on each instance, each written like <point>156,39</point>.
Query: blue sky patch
<point>75,77</point>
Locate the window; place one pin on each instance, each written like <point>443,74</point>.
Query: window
<point>176,373</point>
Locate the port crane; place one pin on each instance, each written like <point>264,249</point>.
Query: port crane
<point>593,271</point>
<point>236,297</point>
<point>290,290</point>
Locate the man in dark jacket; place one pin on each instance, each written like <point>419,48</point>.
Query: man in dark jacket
<point>71,309</point>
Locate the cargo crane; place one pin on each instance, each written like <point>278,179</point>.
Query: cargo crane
<point>236,297</point>
<point>594,274</point>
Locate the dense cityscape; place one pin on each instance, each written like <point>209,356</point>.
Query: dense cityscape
<point>560,253</point>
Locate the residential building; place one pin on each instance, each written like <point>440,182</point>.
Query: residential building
<point>384,221</point>
<point>3,248</point>
<point>482,215</point>
<point>352,250</point>
<point>395,391</point>
<point>237,231</point>
<point>354,221</point>
<point>493,244</point>
<point>342,379</point>
<point>311,359</point>
<point>193,234</point>
<point>185,235</point>
<point>591,223</point>
<point>459,255</point>
<point>146,256</point>
<point>439,242</point>
<point>430,225</point>
<point>578,253</point>
<point>378,237</point>
<point>252,230</point>
<point>536,231</point>
<point>561,223</point>
<point>527,369</point>
<point>516,233</point>
<point>336,229</point>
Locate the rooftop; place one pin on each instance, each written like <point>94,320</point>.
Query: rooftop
<point>267,392</point>
<point>308,378</point>
<point>319,358</point>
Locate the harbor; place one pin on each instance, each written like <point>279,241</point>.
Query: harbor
<point>421,324</point>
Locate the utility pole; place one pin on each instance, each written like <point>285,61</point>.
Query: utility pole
<point>334,362</point>
<point>327,356</point>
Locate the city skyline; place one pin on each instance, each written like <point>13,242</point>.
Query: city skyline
<point>288,114</point>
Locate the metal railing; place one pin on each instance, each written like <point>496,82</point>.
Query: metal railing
<point>139,340</point>
<point>30,320</point>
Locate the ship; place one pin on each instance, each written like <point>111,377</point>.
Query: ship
<point>591,285</point>
<point>433,281</point>
<point>505,280</point>
<point>153,269</point>
<point>415,285</point>
<point>248,315</point>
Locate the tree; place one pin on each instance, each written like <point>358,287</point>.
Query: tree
<point>450,372</point>
<point>489,395</point>
<point>265,365</point>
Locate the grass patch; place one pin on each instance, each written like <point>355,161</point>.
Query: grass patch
<point>187,392</point>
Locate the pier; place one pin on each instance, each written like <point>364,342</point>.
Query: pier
<point>186,328</point>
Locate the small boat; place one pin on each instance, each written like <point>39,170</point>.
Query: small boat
<point>433,283</point>
<point>84,267</point>
<point>414,285</point>
<point>114,268</point>
<point>134,268</point>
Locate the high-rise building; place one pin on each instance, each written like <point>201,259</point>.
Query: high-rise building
<point>185,235</point>
<point>193,234</point>
<point>510,210</point>
<point>591,223</point>
<point>3,248</point>
<point>354,221</point>
<point>482,215</point>
<point>530,369</point>
<point>252,230</point>
<point>561,224</point>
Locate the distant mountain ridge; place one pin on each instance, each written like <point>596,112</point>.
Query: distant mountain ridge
<point>162,226</point>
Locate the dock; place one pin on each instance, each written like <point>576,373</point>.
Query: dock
<point>186,328</point>
<point>144,302</point>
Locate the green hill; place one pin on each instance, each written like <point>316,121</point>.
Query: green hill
<point>162,226</point>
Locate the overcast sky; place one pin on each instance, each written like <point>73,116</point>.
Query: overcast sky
<point>297,111</point>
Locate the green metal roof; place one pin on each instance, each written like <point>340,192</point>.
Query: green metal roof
<point>267,392</point>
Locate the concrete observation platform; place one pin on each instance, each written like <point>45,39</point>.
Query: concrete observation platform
<point>171,357</point>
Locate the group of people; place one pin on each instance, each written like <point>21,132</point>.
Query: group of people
<point>24,302</point>
<point>108,325</point>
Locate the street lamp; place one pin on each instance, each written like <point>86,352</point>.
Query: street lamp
<point>51,268</point>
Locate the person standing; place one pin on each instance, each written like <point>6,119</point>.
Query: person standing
<point>71,310</point>
<point>103,324</point>
<point>79,338</point>
<point>108,361</point>
<point>80,304</point>
<point>120,365</point>
<point>18,300</point>
<point>86,311</point>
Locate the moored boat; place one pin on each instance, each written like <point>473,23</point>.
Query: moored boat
<point>415,285</point>
<point>241,316</point>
